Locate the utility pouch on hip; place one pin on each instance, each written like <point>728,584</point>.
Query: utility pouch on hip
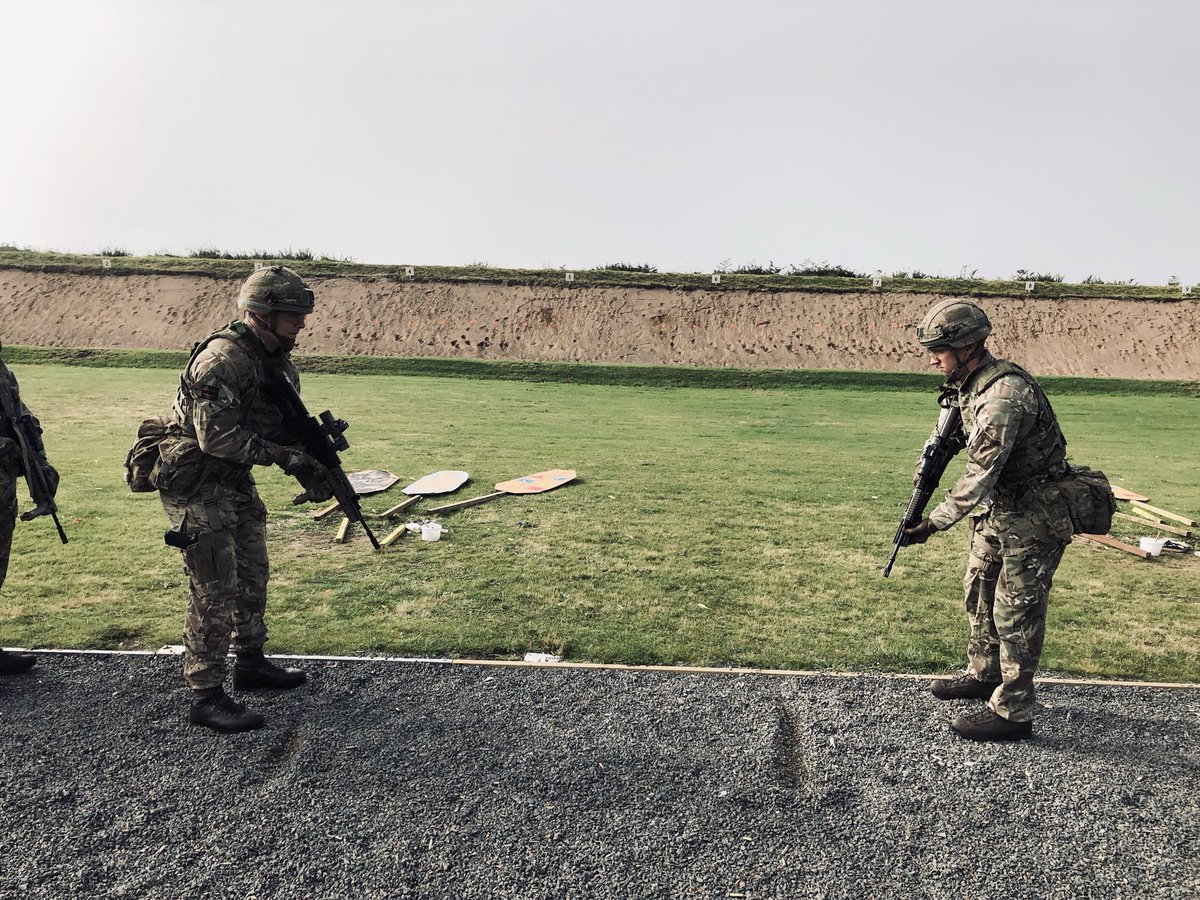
<point>142,461</point>
<point>1089,500</point>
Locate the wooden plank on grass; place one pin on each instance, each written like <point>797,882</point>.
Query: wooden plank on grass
<point>340,537</point>
<point>463,504</point>
<point>1154,523</point>
<point>1137,504</point>
<point>400,507</point>
<point>1123,494</point>
<point>323,512</point>
<point>1147,516</point>
<point>1115,544</point>
<point>393,537</point>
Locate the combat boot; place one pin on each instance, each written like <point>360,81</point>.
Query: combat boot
<point>985,725</point>
<point>253,672</point>
<point>215,709</point>
<point>963,687</point>
<point>15,663</point>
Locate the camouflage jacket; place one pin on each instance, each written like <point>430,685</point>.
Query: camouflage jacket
<point>9,451</point>
<point>222,420</point>
<point>1014,445</point>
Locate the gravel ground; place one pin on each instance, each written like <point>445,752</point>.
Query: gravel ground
<point>422,779</point>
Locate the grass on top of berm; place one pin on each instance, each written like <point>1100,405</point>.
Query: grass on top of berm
<point>708,526</point>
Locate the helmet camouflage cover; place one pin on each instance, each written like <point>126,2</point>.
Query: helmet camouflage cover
<point>953,323</point>
<point>273,289</point>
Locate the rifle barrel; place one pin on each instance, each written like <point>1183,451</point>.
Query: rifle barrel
<point>57,524</point>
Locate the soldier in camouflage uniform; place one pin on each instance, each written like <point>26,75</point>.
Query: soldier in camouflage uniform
<point>1019,522</point>
<point>10,471</point>
<point>222,425</point>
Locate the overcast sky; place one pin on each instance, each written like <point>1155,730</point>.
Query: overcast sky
<point>1049,136</point>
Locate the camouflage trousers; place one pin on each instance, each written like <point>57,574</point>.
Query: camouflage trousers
<point>1007,588</point>
<point>227,573</point>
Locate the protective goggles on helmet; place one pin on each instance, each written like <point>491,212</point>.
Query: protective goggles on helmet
<point>290,296</point>
<point>938,333</point>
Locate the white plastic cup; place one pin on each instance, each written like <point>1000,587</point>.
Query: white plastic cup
<point>431,531</point>
<point>1153,546</point>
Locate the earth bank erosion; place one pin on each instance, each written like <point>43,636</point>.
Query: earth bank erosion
<point>366,315</point>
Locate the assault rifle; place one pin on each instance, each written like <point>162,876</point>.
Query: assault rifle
<point>321,437</point>
<point>938,452</point>
<point>29,443</point>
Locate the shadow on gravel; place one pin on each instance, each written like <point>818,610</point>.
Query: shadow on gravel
<point>393,780</point>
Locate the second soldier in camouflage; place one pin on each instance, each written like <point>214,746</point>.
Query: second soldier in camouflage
<point>1020,523</point>
<point>222,425</point>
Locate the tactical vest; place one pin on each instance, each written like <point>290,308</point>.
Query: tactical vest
<point>257,413</point>
<point>1040,453</point>
<point>184,467</point>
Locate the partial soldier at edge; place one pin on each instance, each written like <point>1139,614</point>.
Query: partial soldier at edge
<point>12,467</point>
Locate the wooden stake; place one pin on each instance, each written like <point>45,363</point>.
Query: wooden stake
<point>463,504</point>
<point>1137,504</point>
<point>1153,523</point>
<point>393,537</point>
<point>1115,544</point>
<point>322,513</point>
<point>340,537</point>
<point>402,505</point>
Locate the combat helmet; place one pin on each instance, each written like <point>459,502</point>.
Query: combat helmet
<point>273,289</point>
<point>953,323</point>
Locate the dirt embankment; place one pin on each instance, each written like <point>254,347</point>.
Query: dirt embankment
<point>379,316</point>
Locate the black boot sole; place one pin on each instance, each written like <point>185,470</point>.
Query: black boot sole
<point>229,726</point>
<point>1019,734</point>
<point>982,693</point>
<point>16,667</point>
<point>253,683</point>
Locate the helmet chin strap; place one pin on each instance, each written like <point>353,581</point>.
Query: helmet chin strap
<point>285,344</point>
<point>974,354</point>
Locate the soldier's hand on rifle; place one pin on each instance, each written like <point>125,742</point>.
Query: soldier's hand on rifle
<point>295,461</point>
<point>51,475</point>
<point>920,532</point>
<point>315,491</point>
<point>310,473</point>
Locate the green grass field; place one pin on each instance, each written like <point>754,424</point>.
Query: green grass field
<point>708,526</point>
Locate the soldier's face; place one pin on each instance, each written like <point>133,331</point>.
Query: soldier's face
<point>945,360</point>
<point>289,325</point>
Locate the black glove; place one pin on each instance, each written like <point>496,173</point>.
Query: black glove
<point>51,475</point>
<point>310,473</point>
<point>316,490</point>
<point>293,461</point>
<point>920,532</point>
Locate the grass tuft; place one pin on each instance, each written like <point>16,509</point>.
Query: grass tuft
<point>627,267</point>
